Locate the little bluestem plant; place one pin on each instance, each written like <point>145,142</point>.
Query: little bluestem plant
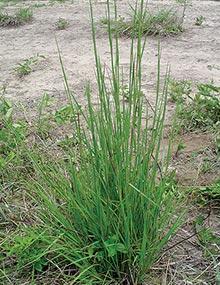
<point>106,212</point>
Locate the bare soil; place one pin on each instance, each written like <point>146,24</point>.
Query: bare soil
<point>193,55</point>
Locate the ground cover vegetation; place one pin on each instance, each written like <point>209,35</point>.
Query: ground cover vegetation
<point>163,22</point>
<point>21,16</point>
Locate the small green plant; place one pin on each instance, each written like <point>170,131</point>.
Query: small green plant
<point>206,166</point>
<point>211,192</point>
<point>64,115</point>
<point>28,248</point>
<point>22,16</point>
<point>26,67</point>
<point>199,110</point>
<point>181,146</point>
<point>178,90</point>
<point>62,24</point>
<point>207,238</point>
<point>199,20</point>
<point>164,22</point>
<point>6,110</point>
<point>203,110</point>
<point>203,195</point>
<point>43,125</point>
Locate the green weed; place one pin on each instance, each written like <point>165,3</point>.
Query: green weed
<point>180,147</point>
<point>209,193</point>
<point>199,20</point>
<point>64,114</point>
<point>26,67</point>
<point>44,119</point>
<point>178,90</point>
<point>47,120</point>
<point>22,16</point>
<point>29,248</point>
<point>5,110</point>
<point>206,166</point>
<point>207,238</point>
<point>199,110</point>
<point>203,111</point>
<point>62,24</point>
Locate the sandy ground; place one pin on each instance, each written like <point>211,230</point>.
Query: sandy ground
<point>194,55</point>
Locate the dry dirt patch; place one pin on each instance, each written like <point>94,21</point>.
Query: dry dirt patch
<point>193,55</point>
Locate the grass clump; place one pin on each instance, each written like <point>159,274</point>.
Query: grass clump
<point>164,23</point>
<point>26,67</point>
<point>62,24</point>
<point>22,16</point>
<point>199,20</point>
<point>105,211</point>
